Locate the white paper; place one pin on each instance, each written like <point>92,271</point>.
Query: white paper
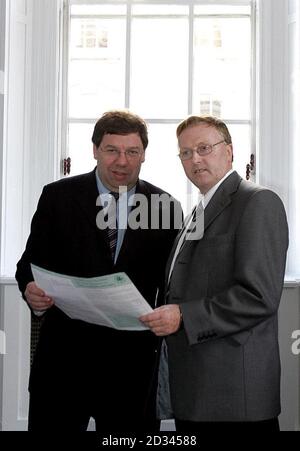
<point>111,300</point>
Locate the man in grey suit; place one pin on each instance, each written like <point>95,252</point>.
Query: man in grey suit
<point>223,292</point>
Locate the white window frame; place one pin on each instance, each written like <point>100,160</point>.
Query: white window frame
<point>39,162</point>
<point>151,120</point>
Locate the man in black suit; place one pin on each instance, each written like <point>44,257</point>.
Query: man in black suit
<point>223,291</point>
<point>81,369</point>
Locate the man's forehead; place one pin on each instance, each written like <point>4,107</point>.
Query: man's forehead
<point>130,139</point>
<point>198,132</point>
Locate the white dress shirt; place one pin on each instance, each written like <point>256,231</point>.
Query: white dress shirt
<point>199,209</point>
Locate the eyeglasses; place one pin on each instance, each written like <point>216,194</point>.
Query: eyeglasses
<point>201,150</point>
<point>113,152</point>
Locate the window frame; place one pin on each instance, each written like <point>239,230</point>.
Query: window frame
<point>66,120</point>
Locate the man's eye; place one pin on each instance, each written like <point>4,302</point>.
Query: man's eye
<point>132,153</point>
<point>203,149</point>
<point>112,151</point>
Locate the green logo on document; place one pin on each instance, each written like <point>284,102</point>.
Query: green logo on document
<point>119,279</point>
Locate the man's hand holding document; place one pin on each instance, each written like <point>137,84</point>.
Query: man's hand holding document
<point>111,300</point>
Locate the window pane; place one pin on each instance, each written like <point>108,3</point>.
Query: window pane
<point>222,71</point>
<point>159,72</point>
<point>162,166</point>
<point>81,148</point>
<point>98,10</point>
<point>169,10</point>
<point>241,139</point>
<point>158,79</point>
<point>292,6</point>
<point>97,66</point>
<point>223,9</point>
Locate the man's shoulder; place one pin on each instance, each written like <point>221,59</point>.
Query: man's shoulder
<point>71,182</point>
<point>252,192</point>
<point>252,189</point>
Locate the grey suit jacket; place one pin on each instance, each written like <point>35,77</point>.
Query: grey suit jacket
<point>224,364</point>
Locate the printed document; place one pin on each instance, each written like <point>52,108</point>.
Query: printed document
<point>111,300</point>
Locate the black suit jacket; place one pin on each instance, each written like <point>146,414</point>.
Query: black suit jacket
<point>93,361</point>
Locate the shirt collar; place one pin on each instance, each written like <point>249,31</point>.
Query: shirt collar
<point>208,196</point>
<point>103,190</point>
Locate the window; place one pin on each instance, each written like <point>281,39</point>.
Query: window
<point>163,60</point>
<point>91,36</point>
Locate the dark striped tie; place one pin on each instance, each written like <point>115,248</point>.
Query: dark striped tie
<point>112,230</point>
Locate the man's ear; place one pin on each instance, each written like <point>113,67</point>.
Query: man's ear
<point>95,151</point>
<point>230,151</point>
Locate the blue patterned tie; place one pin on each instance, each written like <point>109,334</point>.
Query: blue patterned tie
<point>112,230</point>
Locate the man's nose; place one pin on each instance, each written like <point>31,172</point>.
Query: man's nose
<point>196,157</point>
<point>122,158</point>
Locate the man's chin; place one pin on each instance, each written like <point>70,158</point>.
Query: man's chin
<point>120,181</point>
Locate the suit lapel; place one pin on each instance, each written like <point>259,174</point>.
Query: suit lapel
<point>168,265</point>
<point>221,199</point>
<point>215,208</point>
<point>86,197</point>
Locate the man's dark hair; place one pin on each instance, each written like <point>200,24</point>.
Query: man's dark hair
<point>119,122</point>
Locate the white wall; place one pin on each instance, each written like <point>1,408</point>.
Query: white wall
<point>15,322</point>
<point>289,321</point>
<point>30,141</point>
<point>28,100</point>
<point>16,130</point>
<point>2,60</point>
<point>278,83</point>
<point>44,100</point>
